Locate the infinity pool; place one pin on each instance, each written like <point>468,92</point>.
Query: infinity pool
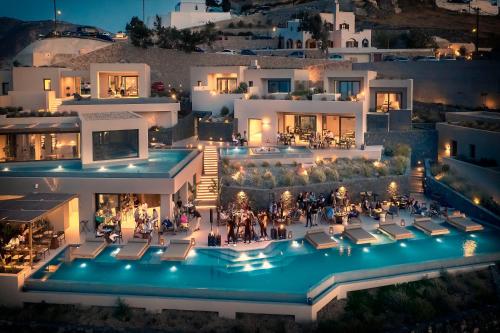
<point>243,152</point>
<point>159,164</point>
<point>284,271</point>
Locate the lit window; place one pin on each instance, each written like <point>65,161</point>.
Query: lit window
<point>47,84</point>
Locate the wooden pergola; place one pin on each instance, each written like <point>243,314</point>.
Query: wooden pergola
<point>31,208</point>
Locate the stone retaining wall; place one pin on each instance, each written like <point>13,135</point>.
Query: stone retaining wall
<point>423,143</point>
<point>259,198</point>
<point>446,195</point>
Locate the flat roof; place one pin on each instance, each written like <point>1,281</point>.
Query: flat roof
<point>55,127</point>
<point>121,100</point>
<point>119,115</point>
<point>31,207</point>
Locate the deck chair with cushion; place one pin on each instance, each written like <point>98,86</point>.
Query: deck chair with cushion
<point>395,231</point>
<point>426,225</point>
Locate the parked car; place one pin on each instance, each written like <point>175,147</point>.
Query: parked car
<point>248,52</point>
<point>459,1</point>
<point>105,37</point>
<point>297,54</point>
<point>227,51</point>
<point>121,35</point>
<point>158,86</point>
<point>396,58</point>
<point>87,31</point>
<point>425,58</point>
<point>198,49</point>
<point>335,57</point>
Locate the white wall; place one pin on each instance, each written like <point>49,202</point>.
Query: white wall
<point>90,126</point>
<point>31,78</point>
<point>156,114</point>
<point>183,20</point>
<point>267,111</point>
<point>205,100</point>
<point>142,70</point>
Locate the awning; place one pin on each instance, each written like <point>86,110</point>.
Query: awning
<point>31,207</point>
<point>40,128</point>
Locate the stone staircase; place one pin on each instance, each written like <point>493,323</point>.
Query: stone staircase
<point>417,180</point>
<point>54,104</point>
<point>204,196</point>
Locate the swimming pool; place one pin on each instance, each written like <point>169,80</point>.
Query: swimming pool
<point>285,271</point>
<point>244,152</point>
<point>159,164</point>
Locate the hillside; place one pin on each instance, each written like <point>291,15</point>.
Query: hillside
<point>173,67</point>
<point>15,34</point>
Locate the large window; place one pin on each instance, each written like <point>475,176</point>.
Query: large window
<point>112,145</point>
<point>278,86</point>
<point>388,101</point>
<point>226,85</point>
<point>125,86</point>
<point>47,84</point>
<point>17,147</point>
<point>348,89</point>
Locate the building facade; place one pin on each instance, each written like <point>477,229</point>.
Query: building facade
<point>342,32</point>
<point>266,102</point>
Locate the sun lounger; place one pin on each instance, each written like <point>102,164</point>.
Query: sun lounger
<point>320,239</point>
<point>430,228</point>
<point>90,249</point>
<point>358,235</point>
<point>395,231</point>
<point>177,250</point>
<point>133,250</point>
<point>464,223</point>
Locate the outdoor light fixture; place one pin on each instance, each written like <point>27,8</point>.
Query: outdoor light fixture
<point>6,169</point>
<point>402,223</point>
<point>193,241</point>
<point>290,235</point>
<point>476,200</point>
<point>331,230</point>
<point>200,147</point>
<point>131,165</point>
<point>162,241</point>
<point>59,167</point>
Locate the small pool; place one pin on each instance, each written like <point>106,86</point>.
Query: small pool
<point>283,272</point>
<point>282,151</point>
<point>160,164</point>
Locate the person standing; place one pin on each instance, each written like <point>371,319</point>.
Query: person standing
<point>197,216</point>
<point>263,220</point>
<point>248,231</point>
<point>230,232</point>
<point>309,213</point>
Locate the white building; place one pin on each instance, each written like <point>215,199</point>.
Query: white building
<point>100,157</point>
<point>190,13</point>
<point>346,103</point>
<point>104,87</point>
<point>342,32</point>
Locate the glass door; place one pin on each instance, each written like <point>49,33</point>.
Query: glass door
<point>254,132</point>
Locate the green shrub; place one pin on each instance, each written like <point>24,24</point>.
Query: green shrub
<point>278,164</point>
<point>265,164</point>
<point>122,310</point>
<point>399,164</point>
<point>331,174</point>
<point>268,180</point>
<point>250,165</point>
<point>253,96</point>
<point>317,176</point>
<point>225,161</point>
<point>224,111</point>
<point>286,179</point>
<point>301,179</point>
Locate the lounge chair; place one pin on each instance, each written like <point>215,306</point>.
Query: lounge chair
<point>90,249</point>
<point>320,239</point>
<point>395,231</point>
<point>133,250</point>
<point>357,234</point>
<point>463,223</point>
<point>426,225</point>
<point>177,250</point>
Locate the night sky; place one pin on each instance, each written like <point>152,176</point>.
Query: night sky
<point>110,15</point>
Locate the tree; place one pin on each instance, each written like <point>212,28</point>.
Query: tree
<point>209,34</point>
<point>140,34</point>
<point>317,28</point>
<point>226,5</point>
<point>418,39</point>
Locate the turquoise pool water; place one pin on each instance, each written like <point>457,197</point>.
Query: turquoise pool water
<point>284,271</point>
<point>235,152</point>
<point>159,164</point>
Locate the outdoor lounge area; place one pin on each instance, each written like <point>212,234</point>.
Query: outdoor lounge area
<point>34,225</point>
